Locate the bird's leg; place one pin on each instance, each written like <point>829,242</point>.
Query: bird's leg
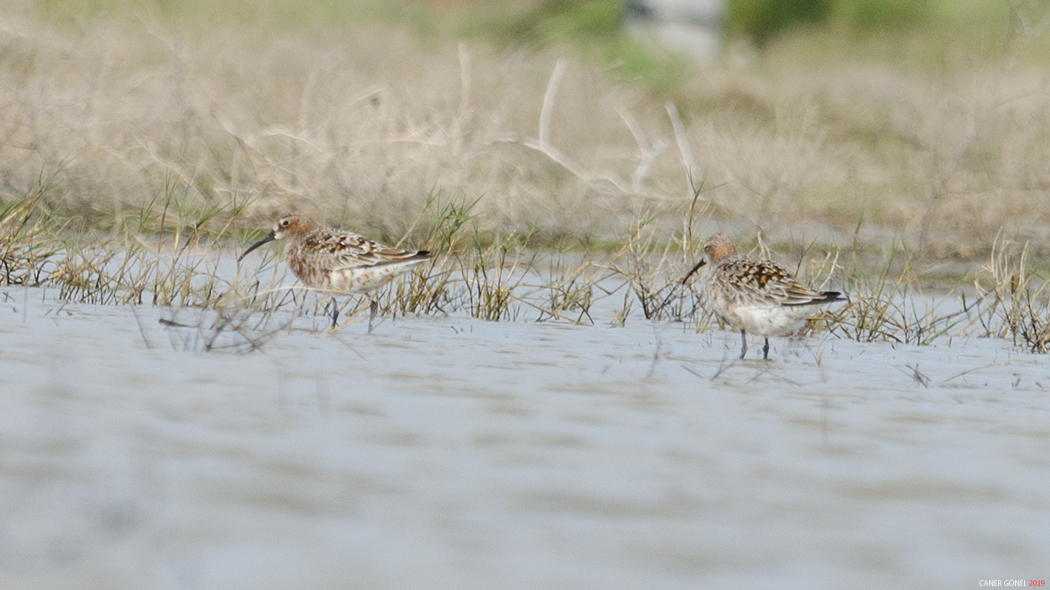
<point>372,307</point>
<point>743,338</point>
<point>335,311</point>
<point>765,350</point>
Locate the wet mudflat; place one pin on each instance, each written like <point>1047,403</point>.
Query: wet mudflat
<point>455,453</point>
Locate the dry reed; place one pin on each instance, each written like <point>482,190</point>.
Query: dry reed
<point>547,186</point>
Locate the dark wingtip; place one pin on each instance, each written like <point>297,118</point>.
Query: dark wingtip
<point>820,298</point>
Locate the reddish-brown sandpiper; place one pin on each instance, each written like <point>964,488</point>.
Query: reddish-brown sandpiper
<point>755,296</point>
<point>338,261</point>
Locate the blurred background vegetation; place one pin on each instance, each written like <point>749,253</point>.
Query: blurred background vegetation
<point>583,22</point>
<point>922,33</point>
<point>857,119</point>
<point>861,139</point>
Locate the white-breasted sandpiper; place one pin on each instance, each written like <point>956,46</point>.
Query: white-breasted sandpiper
<point>337,261</point>
<point>755,296</point>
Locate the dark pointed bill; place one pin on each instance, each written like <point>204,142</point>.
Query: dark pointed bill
<point>688,274</point>
<point>269,238</point>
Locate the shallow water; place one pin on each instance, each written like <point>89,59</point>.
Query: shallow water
<point>453,453</point>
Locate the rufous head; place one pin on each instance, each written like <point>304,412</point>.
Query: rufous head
<point>718,247</point>
<point>288,225</point>
<point>291,224</point>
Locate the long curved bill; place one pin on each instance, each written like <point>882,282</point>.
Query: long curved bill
<point>269,238</point>
<point>687,275</point>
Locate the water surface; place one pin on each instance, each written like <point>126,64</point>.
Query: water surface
<point>454,453</point>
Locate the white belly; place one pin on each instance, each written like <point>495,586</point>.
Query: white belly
<point>767,321</point>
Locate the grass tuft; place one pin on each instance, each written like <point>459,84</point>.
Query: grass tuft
<point>1013,300</point>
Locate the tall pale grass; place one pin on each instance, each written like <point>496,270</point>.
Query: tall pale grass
<point>358,126</point>
<point>133,151</point>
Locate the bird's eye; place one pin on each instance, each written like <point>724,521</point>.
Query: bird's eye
<point>284,223</point>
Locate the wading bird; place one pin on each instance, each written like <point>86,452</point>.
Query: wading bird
<point>754,296</point>
<point>336,261</point>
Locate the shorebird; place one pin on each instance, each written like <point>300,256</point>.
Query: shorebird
<point>755,295</point>
<point>338,261</point>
